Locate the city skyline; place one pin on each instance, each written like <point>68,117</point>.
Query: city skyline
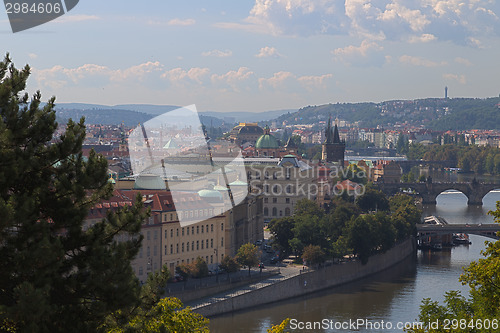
<point>261,55</point>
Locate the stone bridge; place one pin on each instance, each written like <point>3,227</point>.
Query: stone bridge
<point>474,191</point>
<point>407,165</point>
<point>487,230</point>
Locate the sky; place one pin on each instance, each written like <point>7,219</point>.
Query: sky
<point>263,54</point>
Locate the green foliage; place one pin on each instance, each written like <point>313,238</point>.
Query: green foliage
<point>372,200</point>
<point>313,255</point>
<point>55,274</point>
<point>229,265</point>
<point>167,315</point>
<point>343,229</point>
<point>248,255</point>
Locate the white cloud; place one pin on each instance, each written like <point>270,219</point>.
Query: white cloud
<point>179,76</point>
<point>32,55</point>
<point>365,54</point>
<point>455,77</point>
<point>419,61</point>
<point>268,52</point>
<point>181,22</point>
<point>460,21</point>
<point>463,61</point>
<point>287,81</point>
<point>137,72</point>
<point>423,38</point>
<point>217,53</point>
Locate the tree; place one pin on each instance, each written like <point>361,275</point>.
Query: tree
<point>199,268</point>
<point>167,315</point>
<point>55,274</point>
<point>372,200</point>
<point>313,255</point>
<point>248,255</point>
<point>282,231</point>
<point>229,265</point>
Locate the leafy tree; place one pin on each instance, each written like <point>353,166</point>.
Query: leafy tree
<point>282,231</point>
<point>313,255</point>
<point>360,237</point>
<point>248,255</point>
<point>199,268</point>
<point>167,315</point>
<point>372,200</point>
<point>55,274</point>
<point>229,265</point>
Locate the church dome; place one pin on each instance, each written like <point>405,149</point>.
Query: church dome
<point>267,141</point>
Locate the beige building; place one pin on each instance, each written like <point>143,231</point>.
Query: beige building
<point>282,182</point>
<point>387,172</point>
<point>166,241</point>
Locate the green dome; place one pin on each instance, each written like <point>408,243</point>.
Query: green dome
<point>267,141</point>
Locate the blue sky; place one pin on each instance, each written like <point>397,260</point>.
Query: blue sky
<point>262,54</point>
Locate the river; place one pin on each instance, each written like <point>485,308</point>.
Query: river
<point>393,295</point>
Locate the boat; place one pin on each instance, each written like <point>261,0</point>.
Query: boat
<point>459,239</point>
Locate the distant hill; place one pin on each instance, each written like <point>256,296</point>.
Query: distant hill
<point>432,113</point>
<point>103,116</point>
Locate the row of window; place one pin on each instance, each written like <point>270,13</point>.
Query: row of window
<point>275,200</point>
<point>204,228</point>
<point>203,244</point>
<point>274,211</point>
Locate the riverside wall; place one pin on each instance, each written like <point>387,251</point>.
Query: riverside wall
<point>309,282</point>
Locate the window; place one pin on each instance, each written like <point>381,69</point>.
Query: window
<point>192,230</point>
<point>222,241</point>
<point>212,259</point>
<point>287,173</point>
<point>140,270</point>
<point>171,248</point>
<point>187,247</point>
<point>266,200</point>
<point>165,250</point>
<point>182,247</point>
<point>197,245</point>
<point>148,235</point>
<point>257,175</point>
<point>140,253</point>
<point>197,229</point>
<point>182,231</point>
<point>281,213</point>
<point>211,228</point>
<point>187,231</point>
<point>192,246</point>
<point>276,190</point>
<point>171,233</point>
<point>275,211</point>
<point>165,234</point>
<point>148,252</point>
<point>266,188</point>
<point>222,226</point>
<point>177,248</point>
<point>266,211</point>
<point>249,175</point>
<point>206,244</point>
<point>177,233</point>
<point>275,200</point>
<point>202,229</point>
<point>287,211</point>
<point>212,243</point>
<point>275,175</point>
<point>287,200</point>
<point>222,256</point>
<point>202,242</point>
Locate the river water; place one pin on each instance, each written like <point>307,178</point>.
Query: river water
<point>394,295</point>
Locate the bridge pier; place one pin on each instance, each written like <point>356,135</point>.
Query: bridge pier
<point>428,199</point>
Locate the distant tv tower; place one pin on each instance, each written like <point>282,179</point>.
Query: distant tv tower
<point>445,92</point>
